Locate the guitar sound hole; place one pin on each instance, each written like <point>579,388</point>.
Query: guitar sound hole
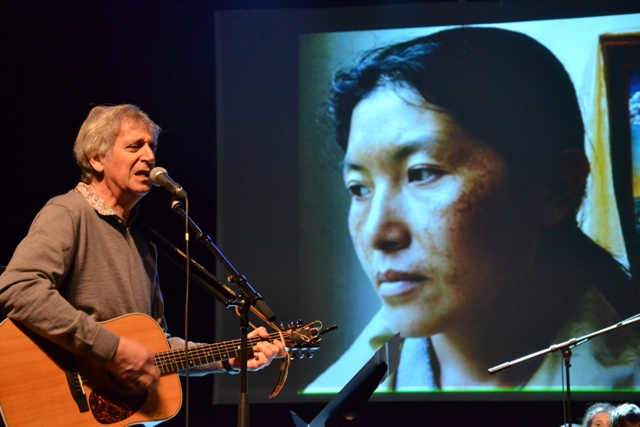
<point>108,406</point>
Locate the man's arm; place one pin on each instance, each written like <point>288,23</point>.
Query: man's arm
<point>29,288</point>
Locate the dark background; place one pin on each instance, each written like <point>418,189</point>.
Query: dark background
<point>58,58</point>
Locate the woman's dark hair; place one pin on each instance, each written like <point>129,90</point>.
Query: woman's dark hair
<point>625,415</point>
<point>501,86</point>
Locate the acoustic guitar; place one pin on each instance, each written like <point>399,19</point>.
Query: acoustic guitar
<point>42,385</point>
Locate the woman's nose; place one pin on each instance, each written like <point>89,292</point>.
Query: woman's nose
<point>386,227</point>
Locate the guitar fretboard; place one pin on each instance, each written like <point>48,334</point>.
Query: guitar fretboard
<point>176,360</point>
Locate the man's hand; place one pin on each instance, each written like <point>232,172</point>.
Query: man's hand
<point>263,352</point>
<point>132,366</point>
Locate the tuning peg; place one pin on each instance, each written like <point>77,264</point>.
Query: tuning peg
<point>329,329</point>
<point>310,354</point>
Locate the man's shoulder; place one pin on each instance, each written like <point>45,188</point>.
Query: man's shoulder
<point>71,204</point>
<point>70,199</point>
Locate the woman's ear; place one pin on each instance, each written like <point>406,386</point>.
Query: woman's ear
<point>567,189</point>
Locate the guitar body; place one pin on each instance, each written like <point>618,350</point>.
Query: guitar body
<point>41,385</point>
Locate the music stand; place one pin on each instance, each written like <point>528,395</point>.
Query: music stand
<point>359,389</point>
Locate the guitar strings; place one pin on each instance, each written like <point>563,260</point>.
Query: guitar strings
<point>175,360</point>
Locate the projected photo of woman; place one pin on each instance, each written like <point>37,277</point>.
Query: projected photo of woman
<point>465,164</point>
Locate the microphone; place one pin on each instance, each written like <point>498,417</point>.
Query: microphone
<point>159,177</point>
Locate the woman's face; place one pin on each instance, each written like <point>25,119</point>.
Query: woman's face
<point>601,419</point>
<point>436,224</point>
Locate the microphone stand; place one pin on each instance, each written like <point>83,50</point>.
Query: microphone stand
<point>249,297</point>
<point>208,283</point>
<point>565,347</point>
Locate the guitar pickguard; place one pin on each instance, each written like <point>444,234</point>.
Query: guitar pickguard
<point>108,406</point>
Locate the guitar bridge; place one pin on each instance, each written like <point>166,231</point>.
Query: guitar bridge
<point>77,389</point>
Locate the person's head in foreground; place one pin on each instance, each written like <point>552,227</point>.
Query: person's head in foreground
<point>626,415</point>
<point>598,415</point>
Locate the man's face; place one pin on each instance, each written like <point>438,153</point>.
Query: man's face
<point>126,167</point>
<point>436,225</point>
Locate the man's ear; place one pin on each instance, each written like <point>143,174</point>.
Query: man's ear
<point>567,189</point>
<point>96,162</point>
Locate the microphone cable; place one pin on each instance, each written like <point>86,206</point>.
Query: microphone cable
<point>186,308</point>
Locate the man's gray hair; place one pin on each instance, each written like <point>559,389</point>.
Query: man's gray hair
<point>100,130</point>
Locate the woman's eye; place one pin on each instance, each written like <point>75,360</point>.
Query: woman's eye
<point>423,174</point>
<point>357,190</point>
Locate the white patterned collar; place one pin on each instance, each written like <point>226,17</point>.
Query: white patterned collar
<point>100,205</point>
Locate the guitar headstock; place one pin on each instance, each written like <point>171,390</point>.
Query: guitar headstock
<point>301,340</point>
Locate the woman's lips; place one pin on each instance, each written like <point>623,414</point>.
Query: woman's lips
<point>394,283</point>
<point>395,289</point>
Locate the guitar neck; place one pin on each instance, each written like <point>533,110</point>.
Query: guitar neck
<point>202,354</point>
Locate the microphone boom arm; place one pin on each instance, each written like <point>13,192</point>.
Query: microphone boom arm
<point>209,282</point>
<point>234,276</point>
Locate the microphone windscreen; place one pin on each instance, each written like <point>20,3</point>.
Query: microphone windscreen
<point>153,175</point>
